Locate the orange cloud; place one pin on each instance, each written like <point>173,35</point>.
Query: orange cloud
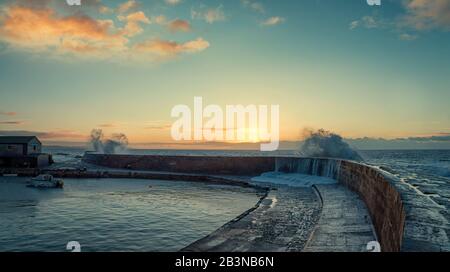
<point>62,134</point>
<point>127,6</point>
<point>179,26</point>
<point>41,29</point>
<point>171,48</point>
<point>173,2</point>
<point>8,113</point>
<point>426,14</point>
<point>11,122</point>
<point>108,125</point>
<point>132,27</point>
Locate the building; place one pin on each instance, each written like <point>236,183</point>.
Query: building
<point>22,152</point>
<point>19,145</point>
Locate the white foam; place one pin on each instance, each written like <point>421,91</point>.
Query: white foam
<point>292,179</point>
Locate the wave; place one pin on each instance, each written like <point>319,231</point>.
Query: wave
<point>117,144</point>
<point>326,144</point>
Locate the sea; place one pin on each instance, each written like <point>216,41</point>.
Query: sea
<point>152,215</point>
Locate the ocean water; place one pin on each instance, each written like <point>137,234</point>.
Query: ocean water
<point>427,170</point>
<point>115,214</point>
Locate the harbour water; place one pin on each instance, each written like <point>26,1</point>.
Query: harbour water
<point>115,214</point>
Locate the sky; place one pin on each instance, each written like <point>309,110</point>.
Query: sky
<point>354,69</point>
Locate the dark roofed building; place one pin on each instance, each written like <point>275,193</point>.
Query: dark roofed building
<point>19,145</point>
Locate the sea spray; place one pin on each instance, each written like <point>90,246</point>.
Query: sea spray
<point>118,143</point>
<point>326,144</point>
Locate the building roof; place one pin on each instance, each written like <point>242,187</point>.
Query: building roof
<point>17,139</point>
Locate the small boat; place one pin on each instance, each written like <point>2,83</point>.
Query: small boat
<point>10,175</point>
<point>45,181</point>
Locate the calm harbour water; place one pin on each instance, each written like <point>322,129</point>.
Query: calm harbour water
<point>115,214</point>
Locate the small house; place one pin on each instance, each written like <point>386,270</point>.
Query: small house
<point>22,152</point>
<point>19,145</point>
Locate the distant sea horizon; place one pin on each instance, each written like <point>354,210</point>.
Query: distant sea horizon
<point>284,146</point>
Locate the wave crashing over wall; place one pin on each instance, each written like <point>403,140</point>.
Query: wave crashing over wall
<point>326,144</point>
<point>301,172</point>
<point>117,144</point>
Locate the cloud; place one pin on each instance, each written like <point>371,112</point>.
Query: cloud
<point>354,24</point>
<point>431,142</point>
<point>45,135</point>
<point>158,127</point>
<point>8,113</point>
<point>172,2</point>
<point>407,37</point>
<point>171,48</point>
<point>438,138</point>
<point>132,20</point>
<point>89,4</point>
<point>179,26</point>
<point>276,20</point>
<point>367,22</point>
<point>160,20</point>
<point>105,10</point>
<point>127,6</point>
<point>62,134</point>
<point>418,15</point>
<point>209,15</point>
<point>426,14</point>
<point>108,125</point>
<point>11,122</point>
<point>37,28</point>
<point>255,6</point>
<point>41,29</point>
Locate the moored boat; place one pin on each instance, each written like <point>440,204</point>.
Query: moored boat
<point>45,181</point>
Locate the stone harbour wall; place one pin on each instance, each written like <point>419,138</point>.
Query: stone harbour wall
<point>382,199</point>
<point>378,192</point>
<point>247,166</point>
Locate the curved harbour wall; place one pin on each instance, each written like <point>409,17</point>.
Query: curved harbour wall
<point>186,164</point>
<point>378,192</point>
<point>382,193</point>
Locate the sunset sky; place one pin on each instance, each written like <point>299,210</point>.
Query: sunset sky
<point>121,66</point>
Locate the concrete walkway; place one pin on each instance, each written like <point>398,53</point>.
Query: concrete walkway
<point>295,219</point>
<point>344,224</point>
<point>282,222</point>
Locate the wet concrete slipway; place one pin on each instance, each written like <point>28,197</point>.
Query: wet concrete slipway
<point>324,217</point>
